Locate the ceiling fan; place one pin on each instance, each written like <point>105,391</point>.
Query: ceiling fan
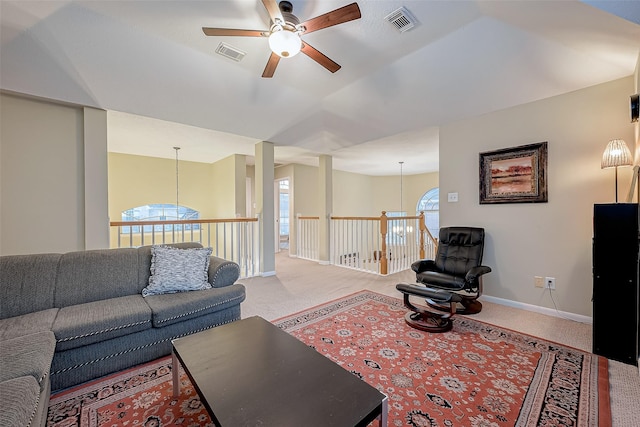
<point>286,29</point>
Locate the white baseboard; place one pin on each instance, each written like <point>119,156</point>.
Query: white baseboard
<point>324,262</point>
<point>268,273</point>
<point>537,309</point>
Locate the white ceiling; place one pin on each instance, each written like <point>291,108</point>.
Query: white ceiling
<point>150,66</point>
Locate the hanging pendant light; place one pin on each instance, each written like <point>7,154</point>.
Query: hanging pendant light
<point>177,186</point>
<point>401,163</point>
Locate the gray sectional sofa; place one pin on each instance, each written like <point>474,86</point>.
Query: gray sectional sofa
<point>69,318</point>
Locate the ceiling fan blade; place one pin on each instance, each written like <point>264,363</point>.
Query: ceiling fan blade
<point>273,9</point>
<point>319,57</point>
<point>335,17</point>
<point>233,32</point>
<point>272,63</point>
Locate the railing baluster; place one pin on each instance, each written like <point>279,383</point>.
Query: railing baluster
<point>355,242</point>
<point>234,238</point>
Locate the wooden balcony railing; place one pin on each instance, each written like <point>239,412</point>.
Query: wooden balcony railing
<point>234,239</point>
<point>381,245</point>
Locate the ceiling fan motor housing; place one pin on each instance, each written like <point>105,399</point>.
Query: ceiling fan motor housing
<point>290,20</point>
<point>285,6</point>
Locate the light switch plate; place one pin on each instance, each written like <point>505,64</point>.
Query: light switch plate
<point>452,197</point>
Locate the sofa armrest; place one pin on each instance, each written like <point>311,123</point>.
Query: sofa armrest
<point>222,272</point>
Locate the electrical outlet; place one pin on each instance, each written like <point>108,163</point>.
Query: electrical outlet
<point>538,281</point>
<point>549,282</point>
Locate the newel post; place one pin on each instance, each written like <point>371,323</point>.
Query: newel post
<point>423,229</point>
<point>383,252</point>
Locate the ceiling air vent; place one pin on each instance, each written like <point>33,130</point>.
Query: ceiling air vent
<point>401,19</point>
<point>230,52</point>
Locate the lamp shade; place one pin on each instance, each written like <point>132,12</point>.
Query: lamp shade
<point>616,154</point>
<point>285,43</point>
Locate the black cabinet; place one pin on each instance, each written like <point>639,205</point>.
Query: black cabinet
<point>616,293</point>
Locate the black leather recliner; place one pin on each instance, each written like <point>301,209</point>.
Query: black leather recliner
<point>451,283</point>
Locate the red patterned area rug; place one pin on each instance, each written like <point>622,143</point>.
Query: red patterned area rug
<point>475,375</point>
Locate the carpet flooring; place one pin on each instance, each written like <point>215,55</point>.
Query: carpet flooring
<point>476,375</point>
<point>299,284</point>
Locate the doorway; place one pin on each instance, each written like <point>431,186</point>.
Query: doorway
<point>282,214</point>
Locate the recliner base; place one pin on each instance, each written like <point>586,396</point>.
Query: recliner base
<point>428,323</point>
<point>466,306</point>
<point>420,317</point>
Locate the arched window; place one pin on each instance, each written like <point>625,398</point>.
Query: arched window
<point>160,212</point>
<point>429,203</point>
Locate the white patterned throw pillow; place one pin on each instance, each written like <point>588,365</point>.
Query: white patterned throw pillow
<point>178,270</point>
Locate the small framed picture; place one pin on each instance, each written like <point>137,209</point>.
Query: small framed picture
<point>514,175</point>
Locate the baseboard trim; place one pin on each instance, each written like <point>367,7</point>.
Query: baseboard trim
<point>268,273</point>
<point>324,262</point>
<point>537,309</point>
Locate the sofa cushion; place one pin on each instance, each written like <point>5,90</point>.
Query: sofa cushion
<point>27,355</point>
<point>86,276</point>
<point>178,270</point>
<point>84,324</point>
<point>20,398</point>
<point>173,308</point>
<point>144,260</point>
<point>26,324</point>
<point>27,283</point>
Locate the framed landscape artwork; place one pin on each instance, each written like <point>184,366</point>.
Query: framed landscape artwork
<point>514,175</point>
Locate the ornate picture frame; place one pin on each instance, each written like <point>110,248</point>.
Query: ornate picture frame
<point>514,175</point>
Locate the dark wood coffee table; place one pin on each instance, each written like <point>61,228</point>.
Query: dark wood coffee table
<point>251,373</point>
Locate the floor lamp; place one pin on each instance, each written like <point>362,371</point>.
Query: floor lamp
<point>616,154</point>
<point>634,179</point>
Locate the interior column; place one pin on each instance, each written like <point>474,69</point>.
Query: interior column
<point>265,206</point>
<point>96,193</point>
<point>325,195</point>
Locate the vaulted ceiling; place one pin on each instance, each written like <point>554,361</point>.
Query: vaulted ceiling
<point>150,66</point>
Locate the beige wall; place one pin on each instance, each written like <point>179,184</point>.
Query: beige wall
<point>215,190</point>
<point>541,239</point>
<point>139,180</point>
<point>226,189</point>
<point>386,196</point>
<point>48,152</point>
<point>353,194</point>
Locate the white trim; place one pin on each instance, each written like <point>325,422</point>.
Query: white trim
<point>324,262</point>
<point>268,273</point>
<point>542,310</point>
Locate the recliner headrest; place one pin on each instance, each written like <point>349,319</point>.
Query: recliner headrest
<point>463,236</point>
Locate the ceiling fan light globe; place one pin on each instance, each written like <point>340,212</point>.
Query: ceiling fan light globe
<point>285,43</point>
